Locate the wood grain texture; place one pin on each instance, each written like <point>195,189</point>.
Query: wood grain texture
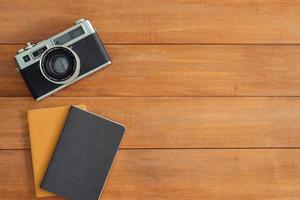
<point>174,122</point>
<point>177,174</point>
<point>178,70</point>
<point>185,83</point>
<point>156,21</point>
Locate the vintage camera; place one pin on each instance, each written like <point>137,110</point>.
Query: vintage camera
<point>59,61</point>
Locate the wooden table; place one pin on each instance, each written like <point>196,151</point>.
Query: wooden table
<point>209,92</point>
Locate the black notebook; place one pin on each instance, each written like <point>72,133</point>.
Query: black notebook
<point>83,156</point>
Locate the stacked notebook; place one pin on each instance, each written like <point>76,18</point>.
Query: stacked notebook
<point>72,151</point>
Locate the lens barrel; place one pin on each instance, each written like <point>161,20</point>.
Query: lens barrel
<point>60,65</point>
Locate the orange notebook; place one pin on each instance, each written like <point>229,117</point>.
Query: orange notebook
<point>45,126</point>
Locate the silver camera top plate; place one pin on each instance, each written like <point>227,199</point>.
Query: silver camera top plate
<point>25,57</point>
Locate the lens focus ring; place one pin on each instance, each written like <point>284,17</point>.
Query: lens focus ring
<point>60,65</point>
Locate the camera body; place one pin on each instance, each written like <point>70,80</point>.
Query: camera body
<point>61,60</point>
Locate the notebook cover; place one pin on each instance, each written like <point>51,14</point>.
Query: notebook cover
<point>83,156</point>
<point>45,126</point>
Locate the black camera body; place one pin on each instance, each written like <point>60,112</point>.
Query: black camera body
<point>61,60</point>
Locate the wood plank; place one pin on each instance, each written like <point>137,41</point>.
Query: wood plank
<point>174,122</point>
<point>177,174</point>
<point>179,70</point>
<point>156,21</point>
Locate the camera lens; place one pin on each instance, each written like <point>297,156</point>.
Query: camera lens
<point>60,65</point>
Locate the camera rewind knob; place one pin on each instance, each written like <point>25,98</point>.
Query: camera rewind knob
<point>29,45</point>
<point>20,50</point>
<point>79,21</point>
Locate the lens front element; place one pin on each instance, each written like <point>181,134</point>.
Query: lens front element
<point>60,65</point>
